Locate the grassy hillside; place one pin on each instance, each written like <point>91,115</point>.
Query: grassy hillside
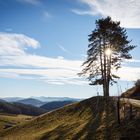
<point>55,105</point>
<point>18,108</point>
<point>9,120</point>
<point>90,119</point>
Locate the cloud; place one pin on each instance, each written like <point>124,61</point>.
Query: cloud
<point>15,44</point>
<point>63,49</point>
<point>57,76</point>
<point>129,73</point>
<point>133,61</point>
<point>81,12</point>
<point>36,61</point>
<point>50,70</point>
<point>32,2</point>
<point>17,62</point>
<point>14,53</point>
<point>126,11</point>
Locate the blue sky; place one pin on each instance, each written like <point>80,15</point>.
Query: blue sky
<point>43,44</point>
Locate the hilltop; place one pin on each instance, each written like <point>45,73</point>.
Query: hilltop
<point>133,93</point>
<point>55,105</point>
<point>89,119</point>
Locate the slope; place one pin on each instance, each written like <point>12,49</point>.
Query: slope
<point>90,119</point>
<point>55,105</point>
<point>133,93</point>
<point>9,120</point>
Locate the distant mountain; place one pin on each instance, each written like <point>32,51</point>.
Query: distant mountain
<point>12,99</point>
<point>19,108</point>
<point>1,100</point>
<point>31,101</point>
<point>41,98</point>
<point>52,99</point>
<point>55,105</point>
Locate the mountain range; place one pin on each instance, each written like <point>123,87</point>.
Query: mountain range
<point>32,106</point>
<point>39,101</point>
<point>31,101</point>
<point>19,108</point>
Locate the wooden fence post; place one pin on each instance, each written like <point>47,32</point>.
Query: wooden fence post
<point>118,110</point>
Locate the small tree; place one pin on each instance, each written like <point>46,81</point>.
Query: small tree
<point>137,83</point>
<point>108,47</point>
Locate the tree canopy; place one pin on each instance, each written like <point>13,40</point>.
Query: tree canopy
<point>108,47</point>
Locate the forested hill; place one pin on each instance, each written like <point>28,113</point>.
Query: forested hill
<point>19,108</point>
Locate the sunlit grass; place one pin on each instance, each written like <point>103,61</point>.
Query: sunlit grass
<point>86,120</point>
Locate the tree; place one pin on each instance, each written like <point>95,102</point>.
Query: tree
<point>108,47</point>
<point>137,83</point>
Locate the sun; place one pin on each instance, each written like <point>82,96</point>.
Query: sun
<point>108,52</point>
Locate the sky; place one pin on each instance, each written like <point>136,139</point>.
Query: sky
<point>43,44</point>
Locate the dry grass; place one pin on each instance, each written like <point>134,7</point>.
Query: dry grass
<point>90,119</point>
<point>7,120</point>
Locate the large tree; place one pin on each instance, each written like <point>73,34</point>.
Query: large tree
<point>108,47</point>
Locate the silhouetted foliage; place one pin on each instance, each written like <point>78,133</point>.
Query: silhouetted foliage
<point>137,83</point>
<point>98,65</point>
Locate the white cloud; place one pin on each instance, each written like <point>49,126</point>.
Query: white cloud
<point>133,61</point>
<point>63,49</point>
<point>15,44</point>
<point>129,73</point>
<point>26,60</point>
<point>81,12</point>
<point>14,53</point>
<point>52,76</point>
<point>126,11</point>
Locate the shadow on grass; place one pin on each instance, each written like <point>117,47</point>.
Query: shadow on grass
<point>101,123</point>
<point>96,128</point>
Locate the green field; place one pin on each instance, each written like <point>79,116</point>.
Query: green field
<point>9,120</point>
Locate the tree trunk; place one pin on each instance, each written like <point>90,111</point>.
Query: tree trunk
<point>104,70</point>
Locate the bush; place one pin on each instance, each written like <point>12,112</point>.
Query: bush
<point>137,82</point>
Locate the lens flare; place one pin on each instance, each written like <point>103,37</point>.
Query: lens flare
<point>108,52</point>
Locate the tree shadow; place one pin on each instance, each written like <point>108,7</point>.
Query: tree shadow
<point>99,117</point>
<point>97,127</point>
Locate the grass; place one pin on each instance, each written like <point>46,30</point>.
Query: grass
<point>9,120</point>
<point>90,119</point>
